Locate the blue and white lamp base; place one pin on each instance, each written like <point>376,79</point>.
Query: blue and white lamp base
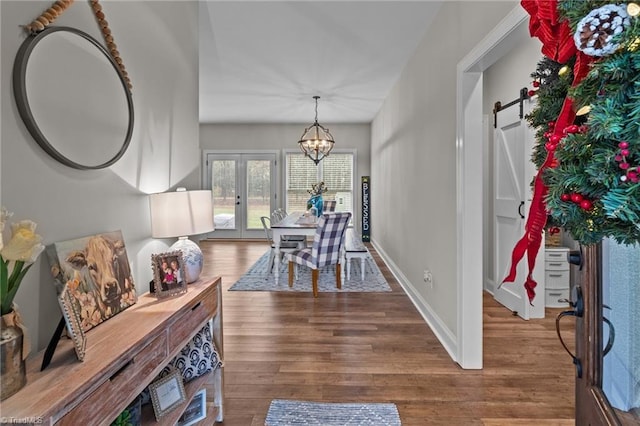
<point>192,257</point>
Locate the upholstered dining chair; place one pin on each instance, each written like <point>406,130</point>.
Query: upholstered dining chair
<point>325,250</point>
<point>285,246</point>
<point>329,206</point>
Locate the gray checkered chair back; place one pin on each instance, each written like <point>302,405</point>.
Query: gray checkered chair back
<point>327,242</point>
<point>329,206</point>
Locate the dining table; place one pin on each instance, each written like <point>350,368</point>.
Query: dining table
<point>295,223</point>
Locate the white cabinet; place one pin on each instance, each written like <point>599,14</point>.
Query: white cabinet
<point>557,276</point>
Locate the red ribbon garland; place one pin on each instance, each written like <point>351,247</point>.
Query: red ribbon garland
<point>557,44</point>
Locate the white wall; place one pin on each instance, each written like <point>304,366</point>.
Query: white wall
<point>158,43</point>
<point>413,163</point>
<point>285,137</point>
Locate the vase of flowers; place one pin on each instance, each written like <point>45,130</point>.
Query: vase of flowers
<point>16,258</point>
<point>316,202</point>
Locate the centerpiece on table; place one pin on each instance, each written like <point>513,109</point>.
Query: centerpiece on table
<point>316,201</point>
<point>16,257</point>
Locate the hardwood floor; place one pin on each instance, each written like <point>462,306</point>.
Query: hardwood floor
<point>375,347</point>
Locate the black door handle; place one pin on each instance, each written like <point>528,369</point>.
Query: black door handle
<point>612,336</point>
<point>578,311</point>
<point>520,209</point>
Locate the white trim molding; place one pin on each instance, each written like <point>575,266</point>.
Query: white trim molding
<point>444,335</point>
<point>469,148</point>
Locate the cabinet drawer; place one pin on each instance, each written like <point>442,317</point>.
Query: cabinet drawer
<point>121,386</point>
<point>556,279</point>
<point>191,321</point>
<point>552,297</point>
<point>556,255</point>
<point>556,265</point>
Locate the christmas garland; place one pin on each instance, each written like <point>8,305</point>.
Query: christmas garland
<point>587,124</point>
<point>593,189</point>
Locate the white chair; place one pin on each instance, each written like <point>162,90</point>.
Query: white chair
<point>279,214</point>
<point>326,249</point>
<point>285,246</point>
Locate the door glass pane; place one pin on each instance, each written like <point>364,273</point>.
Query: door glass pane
<point>258,192</point>
<point>621,365</point>
<point>223,184</point>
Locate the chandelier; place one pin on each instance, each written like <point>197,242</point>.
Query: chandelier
<point>316,141</point>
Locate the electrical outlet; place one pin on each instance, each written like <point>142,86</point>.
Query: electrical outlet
<point>428,278</point>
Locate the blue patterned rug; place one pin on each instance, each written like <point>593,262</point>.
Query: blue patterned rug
<point>284,412</point>
<point>257,279</point>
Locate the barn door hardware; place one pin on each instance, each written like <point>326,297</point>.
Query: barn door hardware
<point>497,107</point>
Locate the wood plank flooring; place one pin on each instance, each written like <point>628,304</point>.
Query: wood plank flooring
<point>375,347</point>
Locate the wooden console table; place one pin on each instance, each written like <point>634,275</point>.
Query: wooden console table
<point>123,355</point>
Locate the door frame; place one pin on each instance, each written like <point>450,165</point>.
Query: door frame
<point>276,179</point>
<point>469,189</point>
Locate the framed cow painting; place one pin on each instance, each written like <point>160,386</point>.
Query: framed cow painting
<point>96,273</point>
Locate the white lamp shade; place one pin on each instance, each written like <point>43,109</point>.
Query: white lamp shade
<point>181,213</point>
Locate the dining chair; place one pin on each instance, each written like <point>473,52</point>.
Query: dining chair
<point>329,206</point>
<point>285,246</point>
<point>326,249</point>
<point>279,214</point>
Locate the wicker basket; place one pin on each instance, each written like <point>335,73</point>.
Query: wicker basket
<point>552,240</point>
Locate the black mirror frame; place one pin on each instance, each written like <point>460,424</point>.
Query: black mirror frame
<point>24,109</point>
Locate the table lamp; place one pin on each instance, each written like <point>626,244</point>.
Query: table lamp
<point>180,214</point>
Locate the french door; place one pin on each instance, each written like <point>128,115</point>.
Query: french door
<point>244,189</point>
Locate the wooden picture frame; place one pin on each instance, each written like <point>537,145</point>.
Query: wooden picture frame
<point>196,410</point>
<point>169,275</point>
<point>167,393</point>
<point>73,322</point>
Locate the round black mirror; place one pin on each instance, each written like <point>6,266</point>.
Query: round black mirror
<point>72,98</point>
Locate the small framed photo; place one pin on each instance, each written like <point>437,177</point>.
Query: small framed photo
<point>196,410</point>
<point>73,322</point>
<point>167,393</point>
<point>168,274</point>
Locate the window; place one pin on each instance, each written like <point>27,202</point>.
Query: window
<point>336,171</point>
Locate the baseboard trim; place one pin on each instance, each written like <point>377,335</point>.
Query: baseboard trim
<point>444,335</point>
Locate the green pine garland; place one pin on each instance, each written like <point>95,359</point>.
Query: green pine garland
<point>589,161</point>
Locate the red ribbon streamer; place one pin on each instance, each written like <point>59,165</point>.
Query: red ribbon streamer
<point>557,44</point>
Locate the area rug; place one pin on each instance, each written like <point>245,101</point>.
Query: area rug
<point>287,412</point>
<point>257,278</point>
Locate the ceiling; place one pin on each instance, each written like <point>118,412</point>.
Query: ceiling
<point>263,61</point>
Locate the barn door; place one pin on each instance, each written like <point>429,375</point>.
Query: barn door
<point>513,172</point>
